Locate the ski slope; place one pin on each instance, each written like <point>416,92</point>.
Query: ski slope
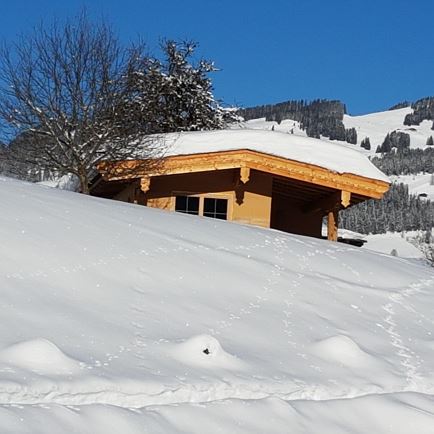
<point>120,318</point>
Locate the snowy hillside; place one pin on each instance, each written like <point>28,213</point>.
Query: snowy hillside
<point>118,318</point>
<point>377,125</point>
<point>373,125</point>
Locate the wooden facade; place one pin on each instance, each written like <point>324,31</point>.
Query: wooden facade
<point>258,189</point>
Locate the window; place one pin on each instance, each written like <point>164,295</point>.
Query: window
<point>187,204</point>
<point>215,208</point>
<point>205,206</point>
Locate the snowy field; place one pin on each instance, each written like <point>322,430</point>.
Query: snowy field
<point>124,319</point>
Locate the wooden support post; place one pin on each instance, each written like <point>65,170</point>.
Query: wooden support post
<point>333,224</point>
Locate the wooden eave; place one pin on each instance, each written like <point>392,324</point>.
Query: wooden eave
<point>363,187</point>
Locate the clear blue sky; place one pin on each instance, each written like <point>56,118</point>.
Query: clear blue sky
<point>369,54</point>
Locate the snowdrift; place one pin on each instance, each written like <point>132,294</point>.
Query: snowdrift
<point>120,318</point>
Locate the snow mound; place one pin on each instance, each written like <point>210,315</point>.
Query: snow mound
<point>341,349</point>
<point>65,182</point>
<point>205,351</point>
<point>39,355</point>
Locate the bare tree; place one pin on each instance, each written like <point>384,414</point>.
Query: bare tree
<point>62,93</point>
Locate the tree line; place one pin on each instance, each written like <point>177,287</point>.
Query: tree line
<point>423,109</point>
<point>397,211</point>
<point>318,118</point>
<point>406,161</point>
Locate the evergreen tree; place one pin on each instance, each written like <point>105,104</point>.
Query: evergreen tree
<point>397,211</point>
<point>366,144</point>
<point>429,141</point>
<point>386,146</point>
<point>406,161</point>
<point>351,136</point>
<point>395,139</point>
<point>423,109</point>
<point>176,94</point>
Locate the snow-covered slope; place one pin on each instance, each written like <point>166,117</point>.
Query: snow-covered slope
<point>120,318</point>
<point>377,125</point>
<point>373,125</point>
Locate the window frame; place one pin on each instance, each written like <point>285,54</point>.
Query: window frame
<point>187,197</point>
<point>229,196</point>
<point>215,213</point>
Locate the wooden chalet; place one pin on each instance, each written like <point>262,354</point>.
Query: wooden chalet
<point>264,178</point>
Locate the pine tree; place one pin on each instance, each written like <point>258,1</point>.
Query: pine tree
<point>386,146</point>
<point>430,141</point>
<point>397,211</point>
<point>176,94</point>
<point>366,144</point>
<point>351,136</point>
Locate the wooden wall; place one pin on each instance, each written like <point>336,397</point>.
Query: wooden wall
<point>251,203</point>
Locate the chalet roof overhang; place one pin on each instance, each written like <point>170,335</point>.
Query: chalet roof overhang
<point>360,188</point>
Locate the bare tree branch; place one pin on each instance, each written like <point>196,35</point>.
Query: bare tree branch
<point>62,98</point>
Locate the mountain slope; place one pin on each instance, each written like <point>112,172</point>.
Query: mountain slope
<point>373,125</point>
<point>377,125</point>
<point>201,325</point>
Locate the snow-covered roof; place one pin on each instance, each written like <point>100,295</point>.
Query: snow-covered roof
<point>326,154</point>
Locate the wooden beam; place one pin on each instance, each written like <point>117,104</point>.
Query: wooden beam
<point>332,224</point>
